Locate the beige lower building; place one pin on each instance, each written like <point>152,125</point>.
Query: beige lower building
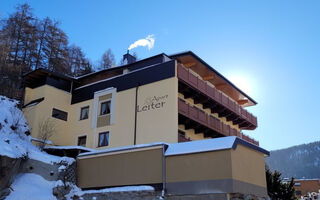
<point>214,166</point>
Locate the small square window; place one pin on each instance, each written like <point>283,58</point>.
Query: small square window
<point>103,139</point>
<point>105,108</point>
<point>84,113</point>
<point>82,141</point>
<point>59,114</point>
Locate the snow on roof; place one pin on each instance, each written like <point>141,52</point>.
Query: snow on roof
<point>122,148</point>
<point>214,144</point>
<point>70,147</point>
<point>43,141</point>
<point>197,146</point>
<point>201,146</point>
<point>118,189</point>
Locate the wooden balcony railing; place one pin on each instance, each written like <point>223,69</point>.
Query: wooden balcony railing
<point>209,122</point>
<point>214,99</point>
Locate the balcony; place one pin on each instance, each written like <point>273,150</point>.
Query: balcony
<point>193,87</point>
<point>195,118</point>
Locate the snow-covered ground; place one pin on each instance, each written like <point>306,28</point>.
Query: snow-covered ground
<point>31,186</point>
<point>14,143</point>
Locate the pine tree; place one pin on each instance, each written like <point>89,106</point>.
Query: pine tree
<point>277,189</point>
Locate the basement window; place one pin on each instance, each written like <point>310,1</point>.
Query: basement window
<point>103,139</point>
<point>59,114</point>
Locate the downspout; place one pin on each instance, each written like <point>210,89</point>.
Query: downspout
<point>164,172</point>
<point>71,87</point>
<point>135,116</point>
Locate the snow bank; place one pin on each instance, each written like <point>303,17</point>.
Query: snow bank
<point>14,143</point>
<point>31,186</point>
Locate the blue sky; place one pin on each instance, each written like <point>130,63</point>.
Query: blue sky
<point>271,49</point>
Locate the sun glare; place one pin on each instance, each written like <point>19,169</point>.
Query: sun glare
<point>243,83</point>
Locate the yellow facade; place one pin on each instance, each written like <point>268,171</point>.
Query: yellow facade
<point>248,165</point>
<point>53,98</point>
<point>157,119</point>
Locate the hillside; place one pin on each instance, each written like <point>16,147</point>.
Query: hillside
<point>19,182</point>
<point>302,161</point>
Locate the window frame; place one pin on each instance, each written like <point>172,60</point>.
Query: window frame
<point>96,105</point>
<point>84,107</point>
<point>59,112</point>
<point>82,136</point>
<point>106,142</point>
<point>108,101</point>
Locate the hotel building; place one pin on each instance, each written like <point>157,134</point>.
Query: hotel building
<point>162,98</point>
<point>162,103</point>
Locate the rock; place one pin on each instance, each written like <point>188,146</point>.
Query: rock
<point>61,191</point>
<point>4,193</point>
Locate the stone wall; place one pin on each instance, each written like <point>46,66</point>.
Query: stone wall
<point>47,171</point>
<point>132,195</point>
<point>68,174</point>
<point>9,168</point>
<point>152,195</point>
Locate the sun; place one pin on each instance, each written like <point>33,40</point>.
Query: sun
<point>243,83</point>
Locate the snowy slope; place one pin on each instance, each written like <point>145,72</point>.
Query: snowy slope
<point>31,186</point>
<point>14,143</point>
<point>302,161</point>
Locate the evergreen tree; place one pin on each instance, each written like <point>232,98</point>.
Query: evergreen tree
<point>277,189</point>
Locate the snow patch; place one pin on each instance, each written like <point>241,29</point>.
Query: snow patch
<point>31,186</point>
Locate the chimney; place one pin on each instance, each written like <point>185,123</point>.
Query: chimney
<point>128,58</point>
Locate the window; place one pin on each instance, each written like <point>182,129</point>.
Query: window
<point>59,114</point>
<point>84,113</point>
<point>82,140</point>
<point>298,192</point>
<point>105,108</point>
<point>103,139</point>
